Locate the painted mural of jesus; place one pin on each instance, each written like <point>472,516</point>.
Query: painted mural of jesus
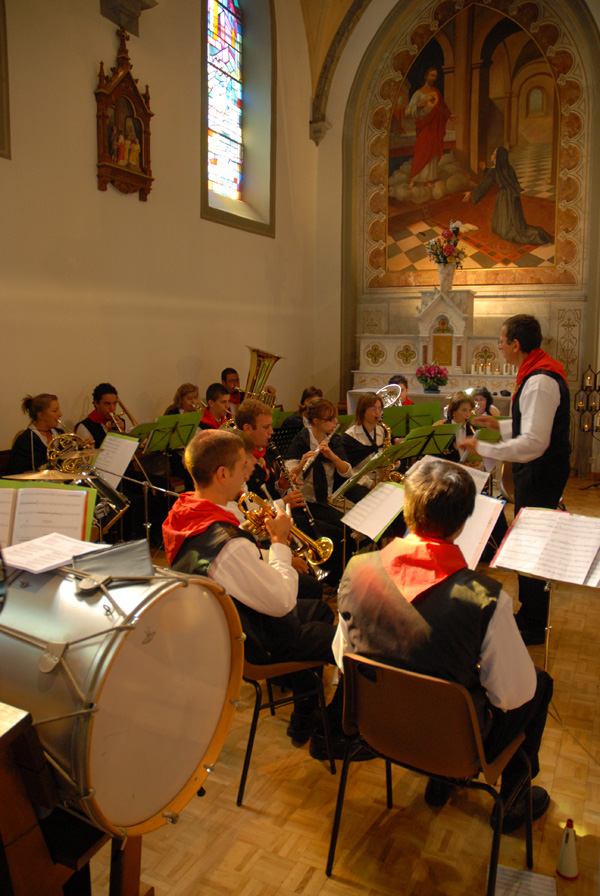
<point>431,114</point>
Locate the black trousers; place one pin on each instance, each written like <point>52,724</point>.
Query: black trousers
<point>529,718</point>
<point>537,484</point>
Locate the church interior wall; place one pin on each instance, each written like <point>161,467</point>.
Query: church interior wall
<point>99,286</point>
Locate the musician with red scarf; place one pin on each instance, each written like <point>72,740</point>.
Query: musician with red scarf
<point>536,441</point>
<point>416,605</point>
<point>202,537</point>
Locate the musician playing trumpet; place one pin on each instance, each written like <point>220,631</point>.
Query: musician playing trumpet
<point>103,418</point>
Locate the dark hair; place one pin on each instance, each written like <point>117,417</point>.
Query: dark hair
<point>184,389</point>
<point>249,411</point>
<point>103,389</point>
<point>526,329</point>
<point>225,373</point>
<point>438,497</point>
<point>37,404</point>
<point>367,400</point>
<point>214,392</point>
<point>455,402</point>
<point>398,380</point>
<point>481,390</point>
<point>320,408</point>
<point>308,393</point>
<point>209,450</point>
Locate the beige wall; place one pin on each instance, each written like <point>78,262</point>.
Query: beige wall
<point>99,286</point>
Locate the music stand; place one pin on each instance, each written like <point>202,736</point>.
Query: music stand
<point>403,420</point>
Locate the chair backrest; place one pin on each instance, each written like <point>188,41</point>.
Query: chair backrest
<point>416,720</point>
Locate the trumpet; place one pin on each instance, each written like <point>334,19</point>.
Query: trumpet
<point>315,551</point>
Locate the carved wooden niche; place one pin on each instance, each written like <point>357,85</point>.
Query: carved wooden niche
<point>123,116</point>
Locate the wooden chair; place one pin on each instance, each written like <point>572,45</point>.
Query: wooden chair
<point>254,675</point>
<point>428,726</point>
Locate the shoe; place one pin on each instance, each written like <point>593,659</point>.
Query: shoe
<point>301,727</point>
<point>437,793</point>
<point>515,818</point>
<point>318,748</point>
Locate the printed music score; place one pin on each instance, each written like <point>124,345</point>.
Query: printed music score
<point>373,515</point>
<point>114,456</point>
<point>27,513</point>
<point>551,544</point>
<point>48,552</point>
<point>478,528</point>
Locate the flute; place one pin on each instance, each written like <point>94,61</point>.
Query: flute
<point>321,445</point>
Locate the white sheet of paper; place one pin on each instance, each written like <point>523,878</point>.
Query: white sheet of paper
<point>48,552</point>
<point>551,544</point>
<point>479,477</point>
<point>514,882</point>
<point>115,454</point>
<point>41,511</point>
<point>375,512</point>
<point>8,500</point>
<point>478,528</point>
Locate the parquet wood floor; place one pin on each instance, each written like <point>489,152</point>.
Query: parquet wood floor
<point>277,842</point>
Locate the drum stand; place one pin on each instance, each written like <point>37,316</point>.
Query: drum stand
<point>40,857</point>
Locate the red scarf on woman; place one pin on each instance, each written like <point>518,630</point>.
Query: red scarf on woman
<point>538,359</point>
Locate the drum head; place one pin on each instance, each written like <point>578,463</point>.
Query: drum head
<point>163,707</point>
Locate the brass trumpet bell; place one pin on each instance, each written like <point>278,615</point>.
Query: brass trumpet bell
<point>314,551</point>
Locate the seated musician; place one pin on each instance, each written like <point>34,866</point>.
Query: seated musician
<point>459,410</point>
<point>202,537</point>
<point>363,440</point>
<point>230,378</point>
<point>103,418</point>
<point>399,380</point>
<point>327,471</point>
<point>484,402</point>
<point>416,605</point>
<point>30,448</point>
<point>185,400</point>
<point>217,407</point>
<point>295,421</point>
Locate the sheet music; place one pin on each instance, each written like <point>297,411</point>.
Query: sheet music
<point>514,882</point>
<point>593,576</point>
<point>551,544</point>
<point>375,512</point>
<point>8,498</point>
<point>478,528</point>
<point>479,477</point>
<point>115,454</point>
<point>41,511</point>
<point>46,553</point>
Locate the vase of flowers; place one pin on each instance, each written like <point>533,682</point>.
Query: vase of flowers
<point>446,253</point>
<point>431,377</point>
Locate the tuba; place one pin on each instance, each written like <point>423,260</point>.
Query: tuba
<point>261,364</point>
<point>389,395</point>
<point>314,550</point>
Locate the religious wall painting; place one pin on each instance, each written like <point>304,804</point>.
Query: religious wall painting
<point>486,126</point>
<point>486,157</point>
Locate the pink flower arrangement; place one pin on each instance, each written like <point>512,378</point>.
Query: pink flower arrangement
<point>444,249</point>
<point>431,375</point>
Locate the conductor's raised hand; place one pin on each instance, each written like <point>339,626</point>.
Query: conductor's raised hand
<point>486,420</point>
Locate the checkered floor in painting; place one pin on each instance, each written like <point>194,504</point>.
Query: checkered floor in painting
<point>406,245</point>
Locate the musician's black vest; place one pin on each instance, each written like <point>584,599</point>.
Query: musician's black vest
<point>96,430</point>
<point>559,447</point>
<point>440,633</point>
<point>269,639</point>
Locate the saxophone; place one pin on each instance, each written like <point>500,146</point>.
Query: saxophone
<point>387,474</point>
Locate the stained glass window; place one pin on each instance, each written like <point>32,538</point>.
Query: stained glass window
<point>224,58</point>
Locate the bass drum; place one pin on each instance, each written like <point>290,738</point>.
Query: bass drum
<point>132,691</point>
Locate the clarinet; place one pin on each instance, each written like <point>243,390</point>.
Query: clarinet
<point>288,478</point>
<point>321,445</point>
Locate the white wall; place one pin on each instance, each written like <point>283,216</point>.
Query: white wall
<point>100,286</point>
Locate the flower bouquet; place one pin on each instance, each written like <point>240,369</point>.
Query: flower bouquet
<point>431,377</point>
<point>444,249</point>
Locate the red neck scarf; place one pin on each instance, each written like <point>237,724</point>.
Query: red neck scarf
<point>189,516</point>
<point>538,359</point>
<point>96,417</point>
<point>416,564</point>
<point>211,421</point>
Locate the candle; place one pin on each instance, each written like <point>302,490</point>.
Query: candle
<point>488,369</point>
<point>505,369</point>
<point>482,368</point>
<point>474,367</point>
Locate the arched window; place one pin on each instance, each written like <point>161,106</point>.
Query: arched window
<point>224,75</point>
<point>238,114</point>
